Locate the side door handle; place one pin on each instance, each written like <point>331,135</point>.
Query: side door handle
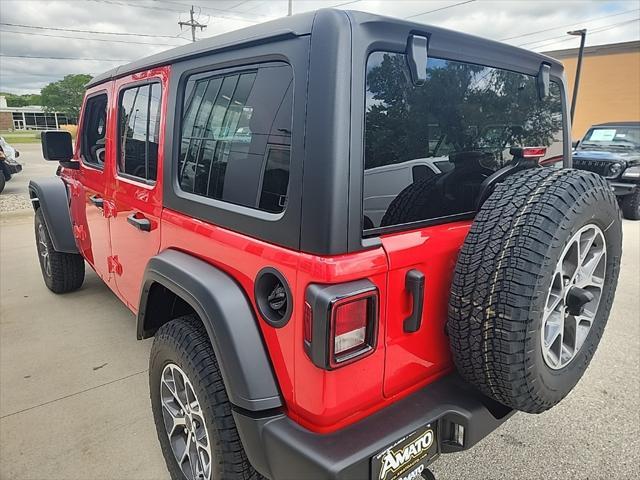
<point>97,200</point>
<point>414,282</point>
<point>140,222</point>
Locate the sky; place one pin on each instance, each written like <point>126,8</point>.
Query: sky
<point>145,27</point>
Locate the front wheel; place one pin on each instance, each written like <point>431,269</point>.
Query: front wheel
<point>631,205</point>
<point>62,272</point>
<point>191,409</point>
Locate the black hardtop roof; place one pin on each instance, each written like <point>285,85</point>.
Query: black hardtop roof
<point>293,26</point>
<point>618,124</point>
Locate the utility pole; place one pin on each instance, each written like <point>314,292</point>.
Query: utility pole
<point>583,35</point>
<point>290,11</point>
<point>193,24</point>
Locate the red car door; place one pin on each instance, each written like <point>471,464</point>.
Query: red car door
<point>89,189</point>
<point>138,157</point>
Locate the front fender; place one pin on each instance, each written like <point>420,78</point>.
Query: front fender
<point>229,320</point>
<point>50,195</point>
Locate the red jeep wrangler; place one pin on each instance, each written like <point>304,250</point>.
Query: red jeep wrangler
<point>338,229</point>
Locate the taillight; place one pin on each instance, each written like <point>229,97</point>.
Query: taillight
<point>340,322</point>
<point>349,325</point>
<point>528,152</point>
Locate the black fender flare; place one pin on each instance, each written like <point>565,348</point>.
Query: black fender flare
<point>50,195</point>
<point>229,320</point>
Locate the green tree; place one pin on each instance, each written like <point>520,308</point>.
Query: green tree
<point>65,95</point>
<point>14,100</point>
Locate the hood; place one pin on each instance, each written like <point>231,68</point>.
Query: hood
<point>628,157</point>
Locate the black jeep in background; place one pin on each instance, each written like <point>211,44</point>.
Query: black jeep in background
<point>613,151</point>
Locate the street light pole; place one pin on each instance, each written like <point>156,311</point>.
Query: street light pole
<point>576,83</point>
<point>290,10</point>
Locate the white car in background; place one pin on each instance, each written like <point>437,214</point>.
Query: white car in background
<point>8,164</point>
<point>382,184</point>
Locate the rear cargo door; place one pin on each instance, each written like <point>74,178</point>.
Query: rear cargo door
<point>417,350</point>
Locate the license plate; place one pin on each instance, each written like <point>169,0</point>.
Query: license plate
<point>406,458</point>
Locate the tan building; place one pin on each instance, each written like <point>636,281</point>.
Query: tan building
<point>609,88</point>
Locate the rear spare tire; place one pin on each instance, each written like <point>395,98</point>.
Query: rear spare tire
<point>533,286</point>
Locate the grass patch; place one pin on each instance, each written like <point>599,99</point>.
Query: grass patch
<point>21,137</point>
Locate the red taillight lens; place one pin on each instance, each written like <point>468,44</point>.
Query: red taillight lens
<point>528,152</point>
<point>350,326</point>
<point>308,322</point>
<point>340,322</point>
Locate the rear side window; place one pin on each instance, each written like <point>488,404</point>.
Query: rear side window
<point>139,127</point>
<point>236,136</point>
<point>94,130</point>
<point>429,148</point>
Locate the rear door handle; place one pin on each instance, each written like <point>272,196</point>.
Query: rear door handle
<point>97,201</point>
<point>140,222</point>
<point>414,282</point>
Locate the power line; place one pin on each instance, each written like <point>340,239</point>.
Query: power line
<point>90,39</point>
<point>591,33</point>
<point>67,58</point>
<point>38,27</point>
<point>593,19</point>
<point>165,9</point>
<point>441,8</point>
<point>212,9</point>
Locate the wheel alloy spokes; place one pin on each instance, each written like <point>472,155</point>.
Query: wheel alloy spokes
<point>184,424</point>
<point>580,271</point>
<point>43,249</point>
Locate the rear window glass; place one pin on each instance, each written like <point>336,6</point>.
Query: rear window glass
<point>429,148</point>
<point>236,137</point>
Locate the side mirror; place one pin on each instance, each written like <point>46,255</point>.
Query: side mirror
<point>417,47</point>
<point>575,143</point>
<point>57,146</point>
<point>543,80</point>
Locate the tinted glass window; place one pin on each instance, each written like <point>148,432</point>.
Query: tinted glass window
<point>139,122</point>
<point>619,138</point>
<point>454,131</point>
<point>94,130</point>
<point>236,136</point>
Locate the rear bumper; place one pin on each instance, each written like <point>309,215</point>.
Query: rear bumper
<point>281,449</point>
<point>621,189</point>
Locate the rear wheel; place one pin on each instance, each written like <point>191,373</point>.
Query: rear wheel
<point>62,272</point>
<point>631,205</point>
<point>533,286</point>
<point>2,181</point>
<point>190,406</point>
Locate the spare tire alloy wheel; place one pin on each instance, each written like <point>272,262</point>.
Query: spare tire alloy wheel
<point>184,424</point>
<point>574,296</point>
<point>533,286</point>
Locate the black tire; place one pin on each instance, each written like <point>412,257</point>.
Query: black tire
<point>503,278</point>
<point>65,272</point>
<point>184,342</point>
<point>2,181</point>
<point>630,205</point>
<point>412,204</point>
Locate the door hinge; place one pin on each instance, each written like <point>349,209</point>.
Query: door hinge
<point>114,265</point>
<point>79,232</point>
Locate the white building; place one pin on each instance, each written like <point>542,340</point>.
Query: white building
<point>32,117</point>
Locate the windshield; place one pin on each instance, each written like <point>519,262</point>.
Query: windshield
<point>463,121</point>
<point>607,138</point>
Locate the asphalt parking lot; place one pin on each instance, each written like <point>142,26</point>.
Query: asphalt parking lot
<point>74,396</point>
